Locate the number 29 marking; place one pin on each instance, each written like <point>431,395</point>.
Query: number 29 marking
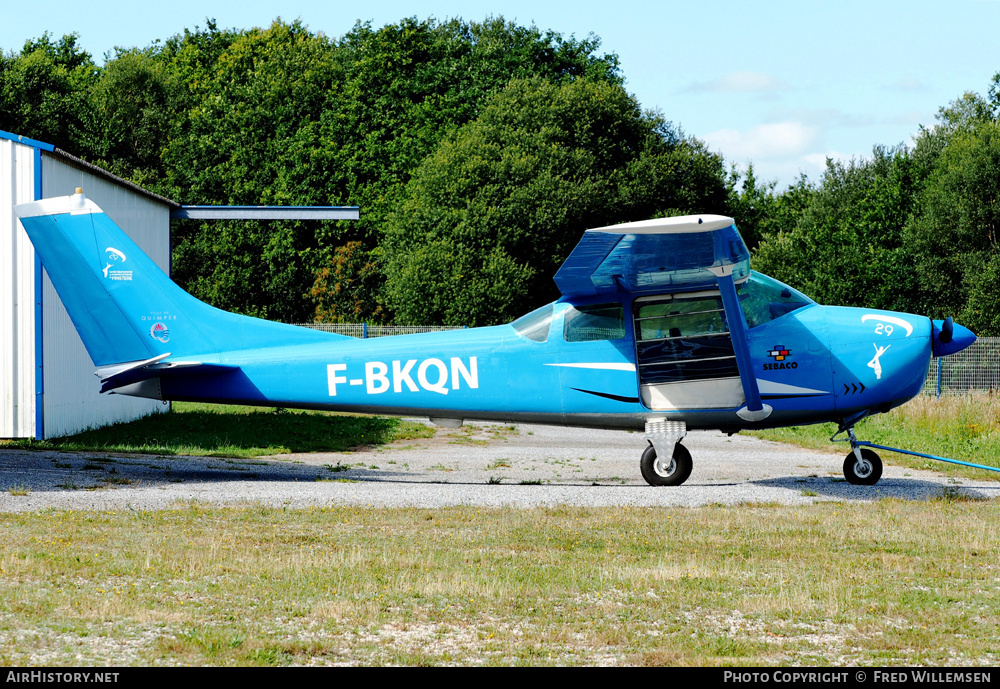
<point>883,321</point>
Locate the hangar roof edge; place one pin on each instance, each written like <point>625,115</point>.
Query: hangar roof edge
<point>86,167</point>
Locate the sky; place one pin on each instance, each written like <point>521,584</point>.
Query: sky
<point>783,85</point>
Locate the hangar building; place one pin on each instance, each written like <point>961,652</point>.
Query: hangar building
<point>47,383</point>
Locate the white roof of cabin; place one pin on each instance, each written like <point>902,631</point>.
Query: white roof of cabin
<point>680,224</point>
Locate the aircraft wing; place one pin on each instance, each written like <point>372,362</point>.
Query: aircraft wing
<point>661,255</point>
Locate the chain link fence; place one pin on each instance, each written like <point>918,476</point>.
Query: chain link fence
<point>365,330</point>
<point>976,368</point>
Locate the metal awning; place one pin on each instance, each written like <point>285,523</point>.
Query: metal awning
<point>265,213</point>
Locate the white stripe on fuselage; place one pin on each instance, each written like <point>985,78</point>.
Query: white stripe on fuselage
<point>606,366</point>
<point>769,387</point>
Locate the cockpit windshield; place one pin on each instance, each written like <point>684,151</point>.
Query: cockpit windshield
<point>763,299</point>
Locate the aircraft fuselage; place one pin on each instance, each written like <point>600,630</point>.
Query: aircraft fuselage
<point>815,364</point>
<point>662,326</point>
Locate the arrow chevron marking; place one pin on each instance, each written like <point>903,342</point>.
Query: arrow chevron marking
<point>853,389</point>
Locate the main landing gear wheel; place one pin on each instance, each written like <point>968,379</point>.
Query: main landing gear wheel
<point>672,471</point>
<point>867,472</point>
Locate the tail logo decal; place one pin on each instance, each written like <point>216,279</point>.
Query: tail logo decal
<point>116,257</point>
<point>158,331</point>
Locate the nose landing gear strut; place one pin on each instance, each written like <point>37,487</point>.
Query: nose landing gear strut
<point>863,467</point>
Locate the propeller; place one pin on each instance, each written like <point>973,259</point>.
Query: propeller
<point>947,330</point>
<point>949,338</point>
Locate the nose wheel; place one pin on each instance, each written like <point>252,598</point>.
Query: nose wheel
<point>666,471</point>
<point>865,470</point>
<point>862,466</point>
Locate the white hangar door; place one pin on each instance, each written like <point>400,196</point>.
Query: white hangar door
<point>17,295</point>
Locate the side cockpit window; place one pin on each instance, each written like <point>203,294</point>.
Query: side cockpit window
<point>535,325</point>
<point>594,322</point>
<point>763,299</point>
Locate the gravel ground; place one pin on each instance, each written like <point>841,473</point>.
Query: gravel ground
<point>487,465</point>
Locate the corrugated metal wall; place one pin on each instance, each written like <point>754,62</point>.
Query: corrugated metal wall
<point>71,399</point>
<point>17,295</point>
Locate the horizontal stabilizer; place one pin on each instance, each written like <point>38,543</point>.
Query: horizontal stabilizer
<point>113,377</point>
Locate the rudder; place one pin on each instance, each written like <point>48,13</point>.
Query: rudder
<point>123,305</point>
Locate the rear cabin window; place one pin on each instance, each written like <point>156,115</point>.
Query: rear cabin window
<point>594,322</point>
<point>535,325</point>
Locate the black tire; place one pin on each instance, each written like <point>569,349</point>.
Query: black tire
<point>673,474</point>
<point>866,474</point>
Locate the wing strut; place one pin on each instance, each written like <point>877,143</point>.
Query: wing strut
<point>755,409</point>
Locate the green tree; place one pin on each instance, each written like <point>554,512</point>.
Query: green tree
<point>847,245</point>
<point>43,91</point>
<point>760,212</point>
<point>289,117</point>
<point>133,106</point>
<point>246,134</point>
<point>955,235</point>
<point>490,215</point>
<point>403,88</point>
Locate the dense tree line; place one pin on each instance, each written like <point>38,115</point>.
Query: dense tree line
<point>478,152</point>
<point>419,123</point>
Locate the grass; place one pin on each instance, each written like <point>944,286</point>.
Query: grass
<point>234,431</point>
<point>965,428</point>
<point>883,583</point>
<point>879,583</point>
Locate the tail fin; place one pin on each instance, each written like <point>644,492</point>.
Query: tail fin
<point>125,308</point>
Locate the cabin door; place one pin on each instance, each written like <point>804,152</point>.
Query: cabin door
<point>684,352</point>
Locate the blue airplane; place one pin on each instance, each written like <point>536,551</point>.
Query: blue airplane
<point>661,327</point>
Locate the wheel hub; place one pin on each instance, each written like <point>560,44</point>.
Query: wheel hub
<point>665,467</point>
<point>863,468</point>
